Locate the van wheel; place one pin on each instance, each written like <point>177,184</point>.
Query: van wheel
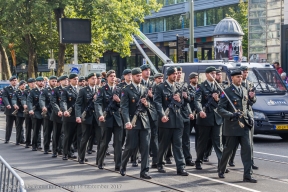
<point>284,136</point>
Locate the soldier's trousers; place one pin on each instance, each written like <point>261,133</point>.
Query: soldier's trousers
<point>193,124</point>
<point>209,132</point>
<point>117,142</point>
<point>135,138</point>
<point>57,142</point>
<point>47,131</point>
<point>69,130</point>
<point>87,131</point>
<point>10,119</point>
<point>19,128</point>
<point>186,142</point>
<point>174,136</point>
<point>36,123</point>
<point>209,148</point>
<point>28,129</point>
<point>154,143</point>
<point>231,143</point>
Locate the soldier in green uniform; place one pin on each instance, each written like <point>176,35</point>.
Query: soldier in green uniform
<point>108,102</point>
<point>158,78</point>
<point>171,125</point>
<point>35,111</point>
<point>46,108</point>
<point>57,115</point>
<point>137,132</point>
<point>237,124</point>
<point>70,126</point>
<point>28,119</point>
<point>209,122</point>
<point>20,117</point>
<point>85,104</point>
<point>7,95</point>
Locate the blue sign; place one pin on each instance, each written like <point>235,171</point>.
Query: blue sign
<point>75,70</point>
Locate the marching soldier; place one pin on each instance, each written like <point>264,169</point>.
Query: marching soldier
<point>168,104</point>
<point>237,125</point>
<point>108,102</point>
<point>158,79</point>
<point>7,95</point>
<point>85,114</point>
<point>136,120</point>
<point>35,111</point>
<point>70,126</point>
<point>46,108</point>
<point>16,102</point>
<point>56,116</point>
<point>81,83</point>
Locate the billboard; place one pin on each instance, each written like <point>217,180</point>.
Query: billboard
<point>227,49</point>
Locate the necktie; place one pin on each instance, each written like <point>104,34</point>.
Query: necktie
<point>92,90</point>
<point>239,90</point>
<point>138,88</point>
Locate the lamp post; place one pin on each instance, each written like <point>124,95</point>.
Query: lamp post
<point>23,67</point>
<point>191,30</point>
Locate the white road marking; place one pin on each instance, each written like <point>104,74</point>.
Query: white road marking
<point>271,154</point>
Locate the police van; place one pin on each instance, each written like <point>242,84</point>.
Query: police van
<point>271,108</point>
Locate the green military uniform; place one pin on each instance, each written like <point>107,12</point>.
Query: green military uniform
<point>232,131</point>
<point>113,124</point>
<point>70,127</point>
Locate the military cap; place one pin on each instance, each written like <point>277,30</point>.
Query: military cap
<point>109,72</point>
<point>243,68</point>
<point>158,75</point>
<point>210,69</point>
<point>73,75</point>
<point>179,68</point>
<point>86,78</point>
<point>31,80</point>
<point>39,78</point>
<point>98,75</point>
<point>103,80</point>
<point>236,72</point>
<point>144,67</point>
<point>22,82</point>
<point>63,77</point>
<point>12,78</point>
<point>81,78</point>
<point>171,70</point>
<point>193,75</point>
<point>218,71</point>
<point>136,71</point>
<point>91,75</point>
<point>52,77</point>
<point>126,71</point>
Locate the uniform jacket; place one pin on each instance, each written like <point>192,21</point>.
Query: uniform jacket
<point>185,110</point>
<point>249,85</point>
<point>55,103</point>
<point>33,100</point>
<point>16,99</point>
<point>192,92</point>
<point>152,109</point>
<point>7,95</point>
<point>45,101</point>
<point>68,99</point>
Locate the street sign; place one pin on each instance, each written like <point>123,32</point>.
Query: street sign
<point>51,64</point>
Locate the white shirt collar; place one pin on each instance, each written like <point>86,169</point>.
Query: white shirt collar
<point>169,83</point>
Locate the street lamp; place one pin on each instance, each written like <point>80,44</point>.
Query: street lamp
<point>23,66</point>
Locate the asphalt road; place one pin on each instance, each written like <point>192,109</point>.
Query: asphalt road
<point>42,173</point>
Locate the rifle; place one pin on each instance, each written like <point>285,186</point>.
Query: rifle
<point>173,102</point>
<point>15,112</point>
<point>112,104</point>
<point>44,113</point>
<point>90,104</point>
<point>140,108</point>
<point>210,102</point>
<point>26,112</point>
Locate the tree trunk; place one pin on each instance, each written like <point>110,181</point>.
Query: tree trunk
<point>59,13</point>
<point>31,56</point>
<point>6,72</point>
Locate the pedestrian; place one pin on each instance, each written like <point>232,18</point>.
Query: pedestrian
<point>278,68</point>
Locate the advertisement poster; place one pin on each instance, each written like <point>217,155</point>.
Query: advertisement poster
<point>227,49</point>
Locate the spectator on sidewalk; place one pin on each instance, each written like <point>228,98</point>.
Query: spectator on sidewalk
<point>278,68</point>
<point>284,78</point>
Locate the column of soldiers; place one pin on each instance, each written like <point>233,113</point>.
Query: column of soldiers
<point>148,117</point>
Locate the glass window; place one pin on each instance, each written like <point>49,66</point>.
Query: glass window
<point>257,49</point>
<point>172,22</point>
<point>255,29</point>
<point>210,17</point>
<point>159,24</point>
<point>152,26</point>
<point>146,26</point>
<point>274,49</point>
<point>200,18</point>
<point>273,12</point>
<point>257,14</point>
<point>257,36</point>
<point>255,43</point>
<point>219,14</point>
<point>273,42</point>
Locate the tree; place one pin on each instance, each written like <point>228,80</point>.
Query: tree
<point>241,15</point>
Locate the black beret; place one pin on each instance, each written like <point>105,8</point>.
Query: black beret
<point>126,71</point>
<point>91,75</point>
<point>236,72</point>
<point>171,70</point>
<point>31,80</point>
<point>103,80</point>
<point>136,71</point>
<point>243,68</point>
<point>210,69</point>
<point>12,78</point>
<point>193,75</point>
<point>144,67</point>
<point>52,77</point>
<point>82,79</point>
<point>63,77</point>
<point>179,68</point>
<point>158,75</point>
<point>73,75</point>
<point>109,72</point>
<point>98,75</point>
<point>86,78</point>
<point>218,71</point>
<point>22,82</point>
<point>39,78</point>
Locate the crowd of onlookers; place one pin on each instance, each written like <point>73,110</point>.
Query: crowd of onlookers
<point>281,73</point>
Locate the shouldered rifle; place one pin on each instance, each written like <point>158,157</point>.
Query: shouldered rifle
<point>173,103</point>
<point>89,106</point>
<point>26,112</point>
<point>112,105</point>
<point>15,112</point>
<point>140,108</point>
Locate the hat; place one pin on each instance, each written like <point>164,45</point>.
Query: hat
<point>158,75</point>
<point>236,72</point>
<point>12,78</point>
<point>86,78</point>
<point>210,69</point>
<point>126,71</point>
<point>39,78</point>
<point>31,80</point>
<point>63,77</point>
<point>73,75</point>
<point>103,80</point>
<point>144,67</point>
<point>136,71</point>
<point>109,72</point>
<point>179,68</point>
<point>22,82</point>
<point>218,71</point>
<point>82,79</point>
<point>98,75</point>
<point>171,70</point>
<point>52,77</point>
<point>243,68</point>
<point>91,75</point>
<point>193,75</point>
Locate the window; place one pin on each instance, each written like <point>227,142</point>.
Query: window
<point>200,18</point>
